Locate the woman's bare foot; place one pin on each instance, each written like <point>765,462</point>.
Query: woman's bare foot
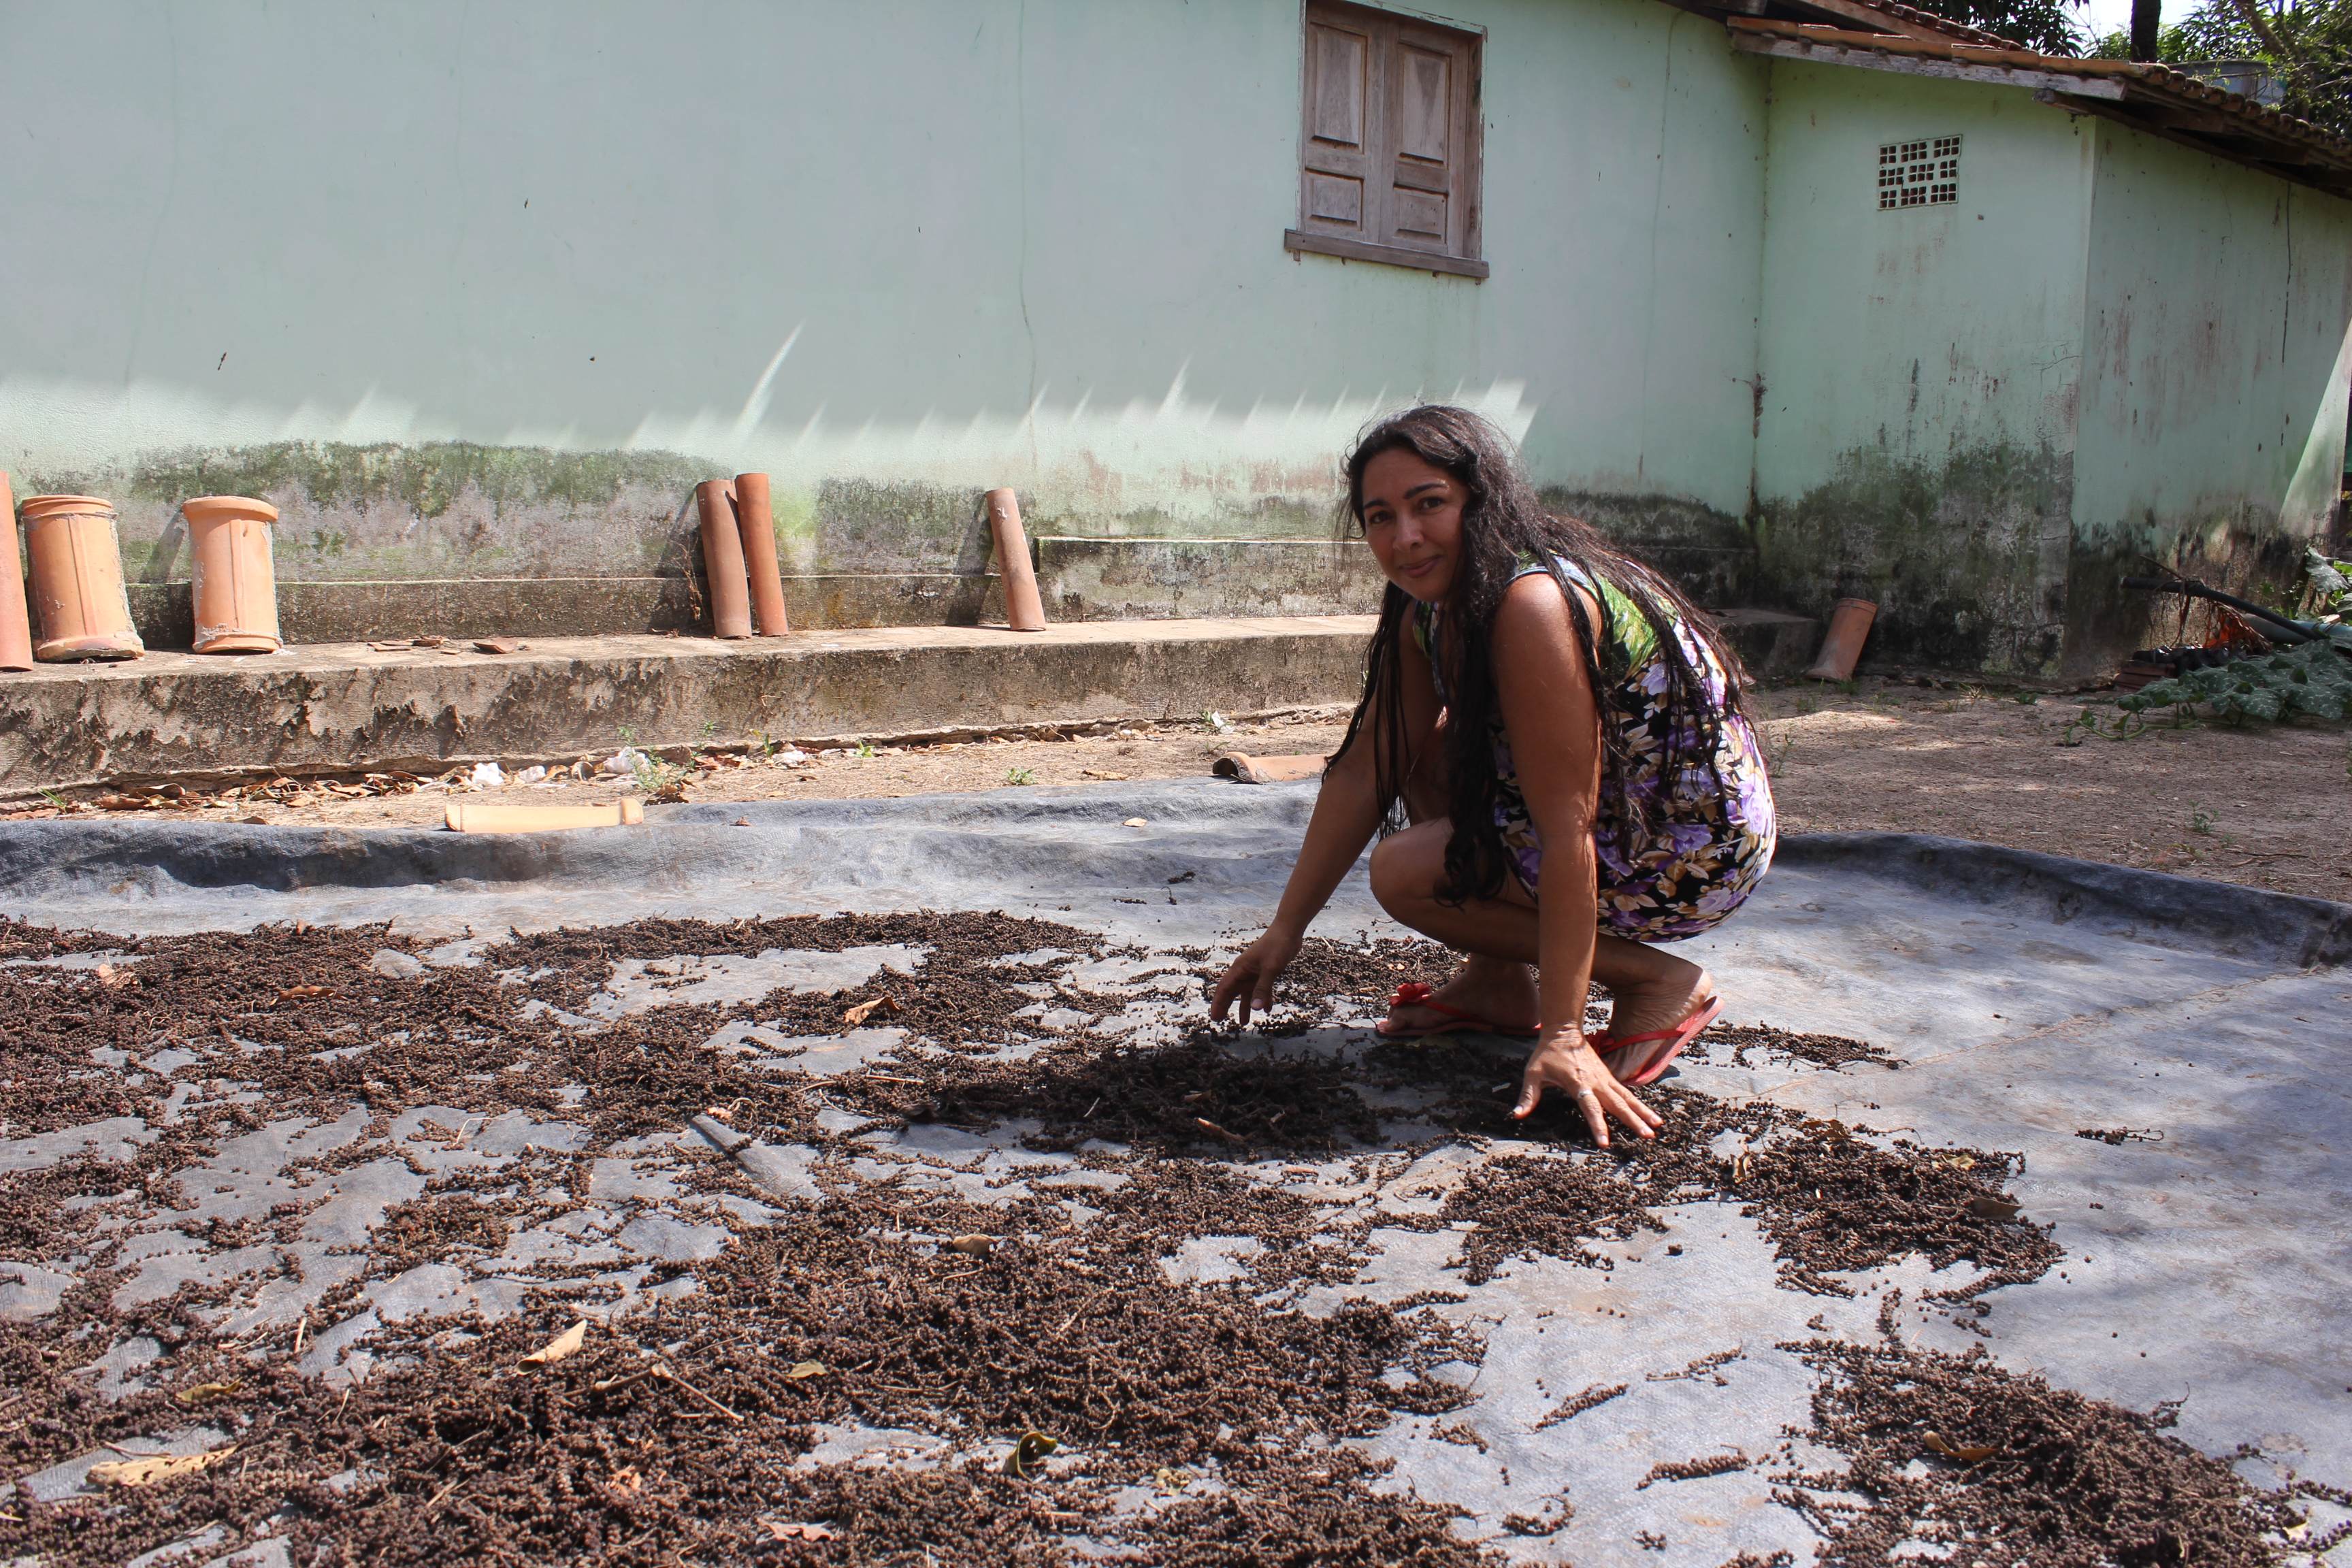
<point>1658,1000</point>
<point>1501,992</point>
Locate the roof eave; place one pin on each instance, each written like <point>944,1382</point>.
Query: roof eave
<point>2143,96</point>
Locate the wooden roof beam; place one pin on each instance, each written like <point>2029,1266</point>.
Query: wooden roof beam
<point>1823,52</point>
<point>1870,18</point>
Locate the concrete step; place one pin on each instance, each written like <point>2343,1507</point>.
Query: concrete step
<point>346,706</point>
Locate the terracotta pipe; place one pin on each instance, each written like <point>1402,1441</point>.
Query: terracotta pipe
<point>722,560</point>
<point>1023,607</point>
<point>15,625</point>
<point>232,577</point>
<point>481,816</point>
<point>1266,770</point>
<point>77,586</point>
<point>1849,625</point>
<point>758,526</point>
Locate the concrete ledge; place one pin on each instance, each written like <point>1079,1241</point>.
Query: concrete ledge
<point>346,706</point>
<point>1769,644</point>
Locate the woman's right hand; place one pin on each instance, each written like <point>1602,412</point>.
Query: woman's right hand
<point>1250,979</point>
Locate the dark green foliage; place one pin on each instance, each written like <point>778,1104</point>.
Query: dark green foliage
<point>2046,25</point>
<point>2307,44</point>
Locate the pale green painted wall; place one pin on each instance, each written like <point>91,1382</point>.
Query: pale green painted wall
<point>479,290</point>
<point>2214,374</point>
<point>1917,427</point>
<point>1983,415</point>
<point>542,257</point>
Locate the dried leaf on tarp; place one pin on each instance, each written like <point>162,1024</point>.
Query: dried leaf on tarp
<point>566,1343</point>
<point>164,1468</point>
<point>1135,822</point>
<point>973,1246</point>
<point>1101,774</point>
<point>304,993</point>
<point>865,1010</point>
<point>390,647</point>
<point>1171,1481</point>
<point>801,1369</point>
<point>1993,1208</point>
<point>498,644</point>
<point>205,1391</point>
<point>1966,1453</point>
<point>782,1532</point>
<point>1028,1454</point>
<point>2120,1135</point>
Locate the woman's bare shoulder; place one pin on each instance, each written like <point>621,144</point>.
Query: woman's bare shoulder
<point>1534,603</point>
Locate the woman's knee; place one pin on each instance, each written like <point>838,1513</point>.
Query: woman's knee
<point>1404,868</point>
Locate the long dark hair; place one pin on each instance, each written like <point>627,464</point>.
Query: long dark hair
<point>1503,527</point>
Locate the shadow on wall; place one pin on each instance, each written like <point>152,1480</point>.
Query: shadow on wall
<point>1967,561</point>
<point>2106,621</point>
<point>393,541</point>
<point>1709,554</point>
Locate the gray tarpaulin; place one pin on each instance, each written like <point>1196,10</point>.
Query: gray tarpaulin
<point>2028,996</point>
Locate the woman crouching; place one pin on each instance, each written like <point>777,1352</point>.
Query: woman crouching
<point>1562,730</point>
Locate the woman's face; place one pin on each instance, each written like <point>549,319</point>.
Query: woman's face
<point>1412,521</point>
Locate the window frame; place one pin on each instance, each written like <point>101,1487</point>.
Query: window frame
<point>1464,191</point>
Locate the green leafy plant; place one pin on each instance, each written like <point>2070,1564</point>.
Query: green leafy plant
<point>1216,724</point>
<point>2201,819</point>
<point>1020,775</point>
<point>2310,678</point>
<point>660,780</point>
<point>866,751</point>
<point>1805,705</point>
<point>59,801</point>
<point>2088,725</point>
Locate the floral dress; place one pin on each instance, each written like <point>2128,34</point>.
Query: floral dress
<point>1714,835</point>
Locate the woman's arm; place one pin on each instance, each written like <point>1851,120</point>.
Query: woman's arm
<point>1348,812</point>
<point>1554,721</point>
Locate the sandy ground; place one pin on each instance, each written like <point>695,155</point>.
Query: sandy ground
<point>2268,805</point>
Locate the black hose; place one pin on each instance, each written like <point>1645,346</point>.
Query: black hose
<point>2196,590</point>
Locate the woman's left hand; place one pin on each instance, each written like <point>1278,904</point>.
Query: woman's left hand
<point>1565,1062</point>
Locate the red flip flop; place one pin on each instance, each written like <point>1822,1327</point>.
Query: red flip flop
<point>1642,1062</point>
<point>1413,994</point>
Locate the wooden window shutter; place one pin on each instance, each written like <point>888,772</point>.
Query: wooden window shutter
<point>1388,140</point>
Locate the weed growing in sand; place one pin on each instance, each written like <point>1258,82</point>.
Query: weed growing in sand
<point>1020,775</point>
<point>2200,819</point>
